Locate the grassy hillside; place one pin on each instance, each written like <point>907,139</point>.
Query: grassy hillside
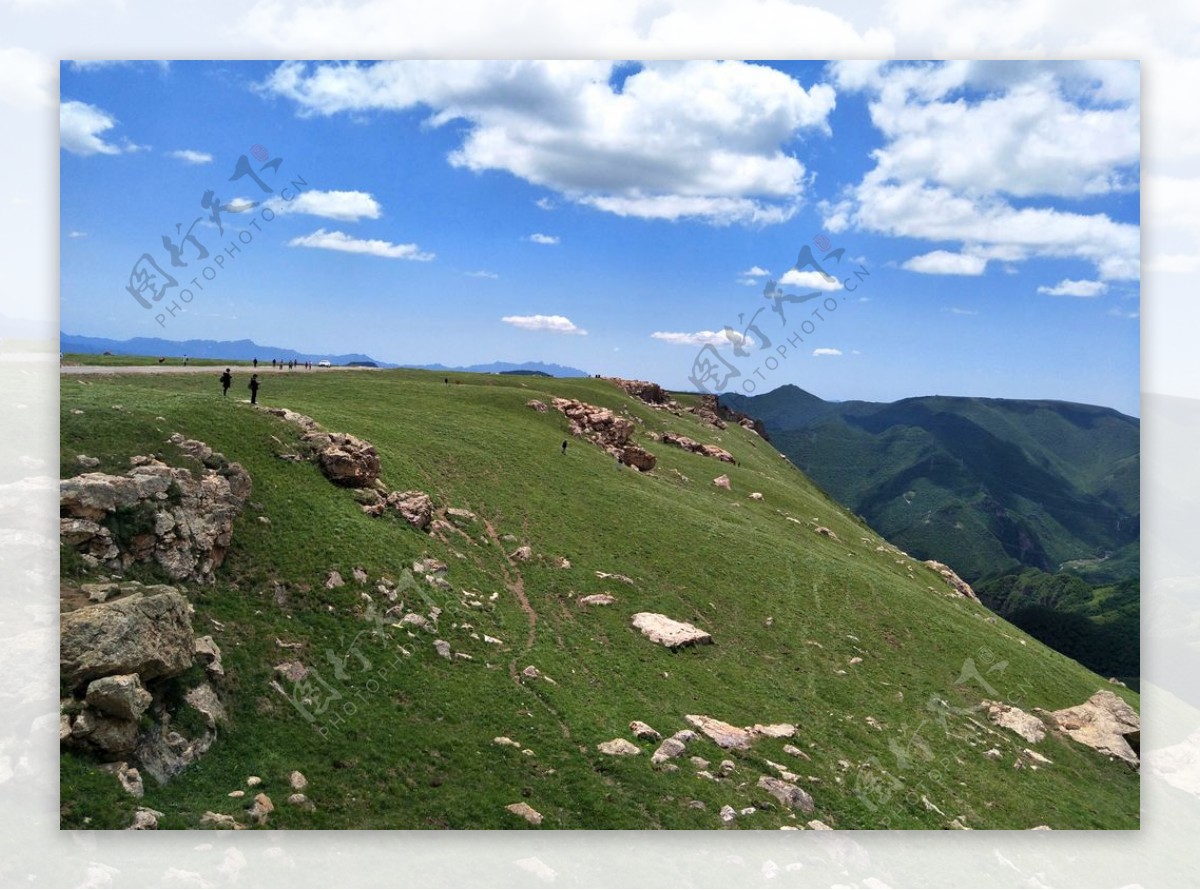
<point>892,740</point>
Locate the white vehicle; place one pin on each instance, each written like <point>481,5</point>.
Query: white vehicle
<point>325,364</point>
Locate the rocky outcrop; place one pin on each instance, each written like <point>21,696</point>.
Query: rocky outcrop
<point>637,457</point>
<point>697,448</point>
<point>1027,726</point>
<point>121,696</point>
<point>644,390</point>
<point>606,429</point>
<point>961,587</point>
<point>146,635</point>
<point>726,735</point>
<point>1104,722</point>
<point>669,632</point>
<point>345,460</point>
<point>156,513</point>
<point>414,507</point>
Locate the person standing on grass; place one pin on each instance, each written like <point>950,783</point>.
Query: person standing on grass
<point>226,382</point>
<point>256,363</point>
<point>253,389</point>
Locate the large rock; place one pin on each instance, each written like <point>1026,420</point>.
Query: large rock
<point>646,391</point>
<point>638,457</point>
<point>156,513</point>
<point>618,748</point>
<point>669,632</point>
<point>114,737</point>
<point>1027,726</point>
<point>1104,722</point>
<point>696,447</point>
<point>726,735</point>
<point>146,635</point>
<point>415,507</point>
<point>600,426</point>
<point>345,460</point>
<point>121,696</point>
<point>791,796</point>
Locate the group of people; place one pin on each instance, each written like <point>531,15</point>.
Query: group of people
<point>289,364</point>
<point>227,381</point>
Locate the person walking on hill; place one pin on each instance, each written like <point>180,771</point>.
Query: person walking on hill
<point>253,389</point>
<point>564,451</point>
<point>226,382</point>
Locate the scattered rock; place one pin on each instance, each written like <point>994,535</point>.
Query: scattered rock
<point>334,580</point>
<point>597,599</point>
<point>722,482</point>
<point>1027,726</point>
<point>818,825</point>
<point>774,730</point>
<point>618,748</point>
<point>414,507</point>
<point>292,671</point>
<point>756,496</point>
<point>84,461</point>
<point>855,660</point>
<point>505,740</point>
<point>828,533</point>
<point>723,734</point>
<point>442,647</point>
<point>644,390</point>
<point>668,632</point>
<point>253,781</point>
<point>728,766</point>
<point>145,819</point>
<point>220,820</point>
<point>208,653</point>
<point>637,457</point>
<point>236,794</point>
<point>260,809</point>
<point>297,780</point>
<point>791,796</point>
<point>644,731</point>
<point>302,801</point>
<point>624,579</point>
<point>697,448</point>
<point>1104,722</point>
<point>523,553</point>
<point>993,754</point>
<point>345,460</point>
<point>728,813</point>
<point>1036,757</point>
<point>526,812</point>
<point>360,576</point>
<point>536,405</point>
<point>668,750</point>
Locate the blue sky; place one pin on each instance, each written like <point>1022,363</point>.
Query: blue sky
<point>617,217</point>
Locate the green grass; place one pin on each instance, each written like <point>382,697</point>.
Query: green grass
<point>416,750</point>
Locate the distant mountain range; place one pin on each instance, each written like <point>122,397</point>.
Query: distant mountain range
<point>1036,503</point>
<point>987,485</point>
<point>245,350</point>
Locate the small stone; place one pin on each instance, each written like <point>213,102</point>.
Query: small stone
<point>697,805</point>
<point>728,766</point>
<point>334,580</point>
<point>795,752</point>
<point>668,750</point>
<point>145,819</point>
<point>526,812</point>
<point>522,554</point>
<point>302,801</point>
<point>774,730</point>
<point>644,731</point>
<point>297,780</point>
<point>85,461</point>
<point>220,820</point>
<point>992,754</point>
<point>722,482</point>
<point>748,811</point>
<point>856,660</point>
<point>238,793</point>
<point>791,796</point>
<point>818,825</point>
<point>699,763</point>
<point>261,809</point>
<point>443,648</point>
<point>619,748</point>
<point>597,599</point>
<point>728,813</point>
<point>505,740</point>
<point>756,496</point>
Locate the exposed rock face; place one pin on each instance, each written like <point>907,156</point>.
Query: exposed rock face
<point>1027,726</point>
<point>1104,722</point>
<point>618,748</point>
<point>112,736</point>
<point>345,460</point>
<point>147,635</point>
<point>156,513</point>
<point>604,428</point>
<point>650,393</point>
<point>669,632</point>
<point>724,734</point>
<point>697,448</point>
<point>121,696</point>
<point>415,507</point>
<point>791,796</point>
<point>960,586</point>
<point>638,457</point>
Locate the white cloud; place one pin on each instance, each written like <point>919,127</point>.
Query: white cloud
<point>825,350</point>
<point>943,262</point>
<point>558,324</point>
<point>339,205</point>
<point>809,278</point>
<point>545,204</point>
<point>1070,288</point>
<point>341,241</point>
<point>755,272</point>
<point>189,156</point>
<point>539,238</point>
<point>955,310</point>
<point>482,273</point>
<point>81,128</point>
<point>698,140</point>
<point>26,79</point>
<point>965,139</point>
<point>76,234</point>
<point>698,338</point>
